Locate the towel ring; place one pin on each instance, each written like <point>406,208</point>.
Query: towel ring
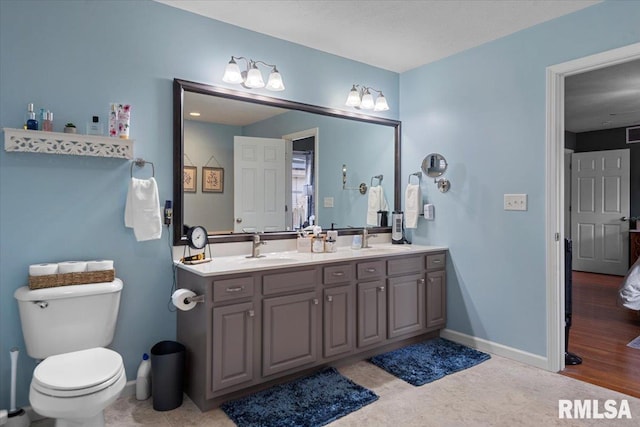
<point>417,175</point>
<point>378,177</point>
<point>139,162</point>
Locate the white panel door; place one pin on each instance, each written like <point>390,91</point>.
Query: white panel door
<point>259,193</point>
<point>599,201</point>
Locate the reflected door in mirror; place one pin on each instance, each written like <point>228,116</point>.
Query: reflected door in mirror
<point>259,195</point>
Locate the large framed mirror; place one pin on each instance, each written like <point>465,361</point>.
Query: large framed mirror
<point>246,163</point>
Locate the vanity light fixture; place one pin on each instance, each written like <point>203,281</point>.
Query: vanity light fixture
<point>360,97</point>
<point>251,78</point>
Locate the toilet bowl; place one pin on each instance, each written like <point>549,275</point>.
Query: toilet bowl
<point>75,388</point>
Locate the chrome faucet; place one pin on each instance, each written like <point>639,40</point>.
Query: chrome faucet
<point>255,246</point>
<point>365,237</point>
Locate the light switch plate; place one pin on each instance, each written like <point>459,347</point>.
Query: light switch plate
<point>328,202</point>
<point>515,202</point>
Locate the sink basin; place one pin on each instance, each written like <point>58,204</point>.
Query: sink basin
<point>266,260</point>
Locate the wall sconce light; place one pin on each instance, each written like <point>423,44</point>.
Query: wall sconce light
<point>251,78</point>
<point>360,97</point>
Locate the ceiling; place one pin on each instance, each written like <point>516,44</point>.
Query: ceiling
<point>393,35</point>
<point>402,35</point>
<point>604,98</point>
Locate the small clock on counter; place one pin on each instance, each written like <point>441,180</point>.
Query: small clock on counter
<point>197,238</point>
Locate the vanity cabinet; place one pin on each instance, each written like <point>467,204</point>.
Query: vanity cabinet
<point>372,313</point>
<point>338,320</point>
<point>259,328</point>
<point>436,292</point>
<point>232,357</point>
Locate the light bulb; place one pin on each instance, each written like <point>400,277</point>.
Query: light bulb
<point>254,78</point>
<point>353,100</point>
<point>232,73</point>
<point>275,81</point>
<point>381,103</point>
<point>367,101</point>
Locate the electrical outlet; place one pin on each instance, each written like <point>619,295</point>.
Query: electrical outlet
<point>328,202</point>
<point>515,202</point>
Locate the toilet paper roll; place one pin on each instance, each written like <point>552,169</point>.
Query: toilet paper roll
<point>100,265</point>
<point>179,299</point>
<point>72,267</point>
<point>43,269</point>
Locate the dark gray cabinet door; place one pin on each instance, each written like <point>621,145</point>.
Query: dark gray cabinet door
<point>338,320</point>
<point>372,313</point>
<point>406,305</point>
<point>436,299</point>
<point>232,352</point>
<point>290,332</point>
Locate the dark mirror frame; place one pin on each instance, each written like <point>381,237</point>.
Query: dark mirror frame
<point>180,86</point>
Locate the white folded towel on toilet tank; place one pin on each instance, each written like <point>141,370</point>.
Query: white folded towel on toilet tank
<point>142,209</point>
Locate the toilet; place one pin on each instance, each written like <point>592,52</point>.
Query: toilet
<point>67,329</point>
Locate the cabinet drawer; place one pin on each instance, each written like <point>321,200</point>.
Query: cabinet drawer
<point>371,269</point>
<point>435,261</point>
<point>337,274</point>
<point>228,289</point>
<point>288,281</point>
<point>405,265</point>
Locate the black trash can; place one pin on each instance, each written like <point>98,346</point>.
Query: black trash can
<point>167,375</point>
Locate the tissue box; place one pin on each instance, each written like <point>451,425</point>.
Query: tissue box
<point>304,244</point>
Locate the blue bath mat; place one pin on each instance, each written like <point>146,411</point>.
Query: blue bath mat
<point>428,361</point>
<point>311,401</point>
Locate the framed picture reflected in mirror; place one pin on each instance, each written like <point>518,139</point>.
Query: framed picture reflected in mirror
<point>212,180</point>
<point>189,179</point>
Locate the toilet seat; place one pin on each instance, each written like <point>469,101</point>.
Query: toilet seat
<point>78,373</point>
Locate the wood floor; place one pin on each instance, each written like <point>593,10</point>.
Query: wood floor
<point>600,333</point>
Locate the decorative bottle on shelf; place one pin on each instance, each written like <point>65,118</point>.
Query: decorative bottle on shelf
<point>42,117</point>
<point>31,123</point>
<point>143,380</point>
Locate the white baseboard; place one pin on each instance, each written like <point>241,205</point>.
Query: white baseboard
<point>495,348</point>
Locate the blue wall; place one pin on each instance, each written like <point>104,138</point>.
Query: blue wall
<point>75,57</point>
<point>484,110</point>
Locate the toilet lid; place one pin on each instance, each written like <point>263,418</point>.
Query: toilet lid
<point>78,371</point>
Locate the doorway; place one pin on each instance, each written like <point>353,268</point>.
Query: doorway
<point>555,189</point>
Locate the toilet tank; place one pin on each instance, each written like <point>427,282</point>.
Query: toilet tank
<point>68,318</point>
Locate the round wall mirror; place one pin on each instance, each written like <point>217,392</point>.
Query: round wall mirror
<point>434,165</point>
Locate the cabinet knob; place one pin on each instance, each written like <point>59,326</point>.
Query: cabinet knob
<point>381,288</point>
<point>329,298</point>
<point>370,270</point>
<point>238,220</point>
<point>251,313</point>
<point>430,279</point>
<point>421,281</point>
<point>315,301</point>
<point>236,289</point>
<point>338,273</point>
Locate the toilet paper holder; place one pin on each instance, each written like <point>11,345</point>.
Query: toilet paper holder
<point>194,299</point>
<point>185,299</point>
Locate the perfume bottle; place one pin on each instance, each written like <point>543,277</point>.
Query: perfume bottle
<point>48,122</point>
<point>31,123</point>
<point>42,117</point>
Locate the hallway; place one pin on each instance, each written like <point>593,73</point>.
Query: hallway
<point>600,332</point>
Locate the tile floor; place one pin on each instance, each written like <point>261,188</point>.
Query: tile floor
<point>498,392</point>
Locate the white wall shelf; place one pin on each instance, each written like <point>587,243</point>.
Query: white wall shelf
<point>31,141</point>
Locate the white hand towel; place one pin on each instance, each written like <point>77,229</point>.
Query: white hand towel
<point>142,209</point>
<point>412,198</point>
<point>377,202</point>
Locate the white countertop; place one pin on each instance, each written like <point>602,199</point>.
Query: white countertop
<point>272,260</point>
